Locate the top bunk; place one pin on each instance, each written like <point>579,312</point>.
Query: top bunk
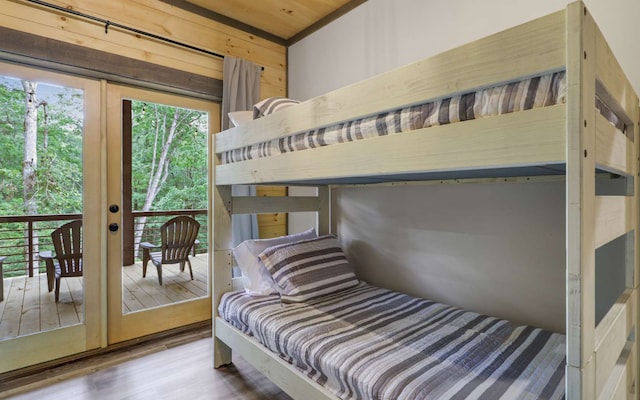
<point>511,104</point>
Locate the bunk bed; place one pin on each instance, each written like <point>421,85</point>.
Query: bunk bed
<point>587,128</point>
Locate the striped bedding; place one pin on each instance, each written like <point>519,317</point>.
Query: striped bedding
<point>540,91</point>
<point>371,343</point>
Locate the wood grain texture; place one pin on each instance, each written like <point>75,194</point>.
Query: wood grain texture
<point>283,19</point>
<point>271,224</point>
<point>158,18</point>
<point>221,237</point>
<point>290,379</point>
<point>610,75</point>
<point>580,198</point>
<point>125,325</point>
<point>105,63</point>
<point>611,337</point>
<point>166,369</point>
<point>247,205</point>
<point>532,137</point>
<point>614,216</point>
<point>30,308</point>
<point>615,152</point>
<point>571,134</point>
<point>477,64</point>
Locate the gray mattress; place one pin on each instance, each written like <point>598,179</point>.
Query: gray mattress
<point>541,91</point>
<point>536,92</point>
<point>372,343</point>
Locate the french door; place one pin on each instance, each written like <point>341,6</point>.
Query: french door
<point>86,165</point>
<point>56,120</point>
<point>157,165</point>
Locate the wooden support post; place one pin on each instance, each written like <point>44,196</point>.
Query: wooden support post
<point>221,241</point>
<point>580,203</point>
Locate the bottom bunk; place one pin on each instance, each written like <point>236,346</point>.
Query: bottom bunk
<point>366,342</point>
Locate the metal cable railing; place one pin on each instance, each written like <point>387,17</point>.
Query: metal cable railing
<point>22,237</point>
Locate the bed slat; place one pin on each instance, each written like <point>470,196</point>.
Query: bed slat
<point>262,205</point>
<point>617,387</point>
<point>614,217</point>
<point>611,337</point>
<point>619,92</point>
<point>614,150</point>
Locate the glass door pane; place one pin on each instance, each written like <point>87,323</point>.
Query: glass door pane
<point>158,164</point>
<point>50,138</point>
<point>41,175</point>
<point>168,178</point>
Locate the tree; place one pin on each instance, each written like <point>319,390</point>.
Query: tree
<point>169,146</point>
<point>11,139</point>
<point>169,158</point>
<point>30,160</point>
<point>41,163</point>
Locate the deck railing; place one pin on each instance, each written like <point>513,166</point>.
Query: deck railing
<point>22,237</point>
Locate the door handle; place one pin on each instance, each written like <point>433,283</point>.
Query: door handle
<point>114,208</point>
<point>113,227</point>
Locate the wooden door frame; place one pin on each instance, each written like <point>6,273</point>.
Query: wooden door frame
<point>122,327</point>
<point>45,346</point>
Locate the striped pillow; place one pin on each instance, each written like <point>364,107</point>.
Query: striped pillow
<point>309,268</point>
<point>271,105</point>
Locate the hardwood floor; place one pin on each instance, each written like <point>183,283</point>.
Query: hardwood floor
<point>164,371</point>
<point>29,307</point>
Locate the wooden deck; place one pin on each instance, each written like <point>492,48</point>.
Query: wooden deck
<point>29,307</point>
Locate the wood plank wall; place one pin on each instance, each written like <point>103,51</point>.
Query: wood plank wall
<point>158,18</point>
<point>272,225</point>
<point>163,20</point>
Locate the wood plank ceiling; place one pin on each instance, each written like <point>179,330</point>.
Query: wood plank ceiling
<point>286,20</point>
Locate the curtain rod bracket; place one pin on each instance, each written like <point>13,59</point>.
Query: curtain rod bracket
<point>106,27</point>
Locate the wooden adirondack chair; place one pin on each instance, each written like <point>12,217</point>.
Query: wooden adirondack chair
<point>67,260</point>
<point>178,237</point>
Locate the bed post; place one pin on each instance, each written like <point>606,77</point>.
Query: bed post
<point>220,230</point>
<point>580,198</point>
<point>636,250</point>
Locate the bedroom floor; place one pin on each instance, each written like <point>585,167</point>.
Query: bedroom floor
<point>165,371</point>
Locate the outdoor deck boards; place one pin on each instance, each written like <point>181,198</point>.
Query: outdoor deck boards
<point>29,307</point>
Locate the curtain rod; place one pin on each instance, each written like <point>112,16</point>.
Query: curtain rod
<point>108,23</point>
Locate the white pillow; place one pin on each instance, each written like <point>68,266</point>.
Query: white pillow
<point>257,280</point>
<point>240,117</point>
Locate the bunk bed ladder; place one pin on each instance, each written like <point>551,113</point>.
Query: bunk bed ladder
<point>601,358</point>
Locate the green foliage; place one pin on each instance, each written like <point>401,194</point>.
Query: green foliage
<point>59,174</point>
<point>11,142</point>
<point>186,183</point>
<point>59,171</point>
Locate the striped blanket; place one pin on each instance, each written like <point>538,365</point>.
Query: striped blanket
<point>530,93</point>
<point>372,343</point>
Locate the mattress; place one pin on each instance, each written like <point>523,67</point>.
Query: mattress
<point>372,343</point>
<point>540,91</point>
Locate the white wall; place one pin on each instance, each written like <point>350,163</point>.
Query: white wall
<point>485,247</point>
<point>384,34</point>
<point>494,248</point>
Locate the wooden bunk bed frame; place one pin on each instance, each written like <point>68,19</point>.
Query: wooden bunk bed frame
<point>601,360</point>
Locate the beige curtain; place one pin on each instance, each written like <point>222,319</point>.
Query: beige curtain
<point>240,91</point>
<point>240,87</point>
